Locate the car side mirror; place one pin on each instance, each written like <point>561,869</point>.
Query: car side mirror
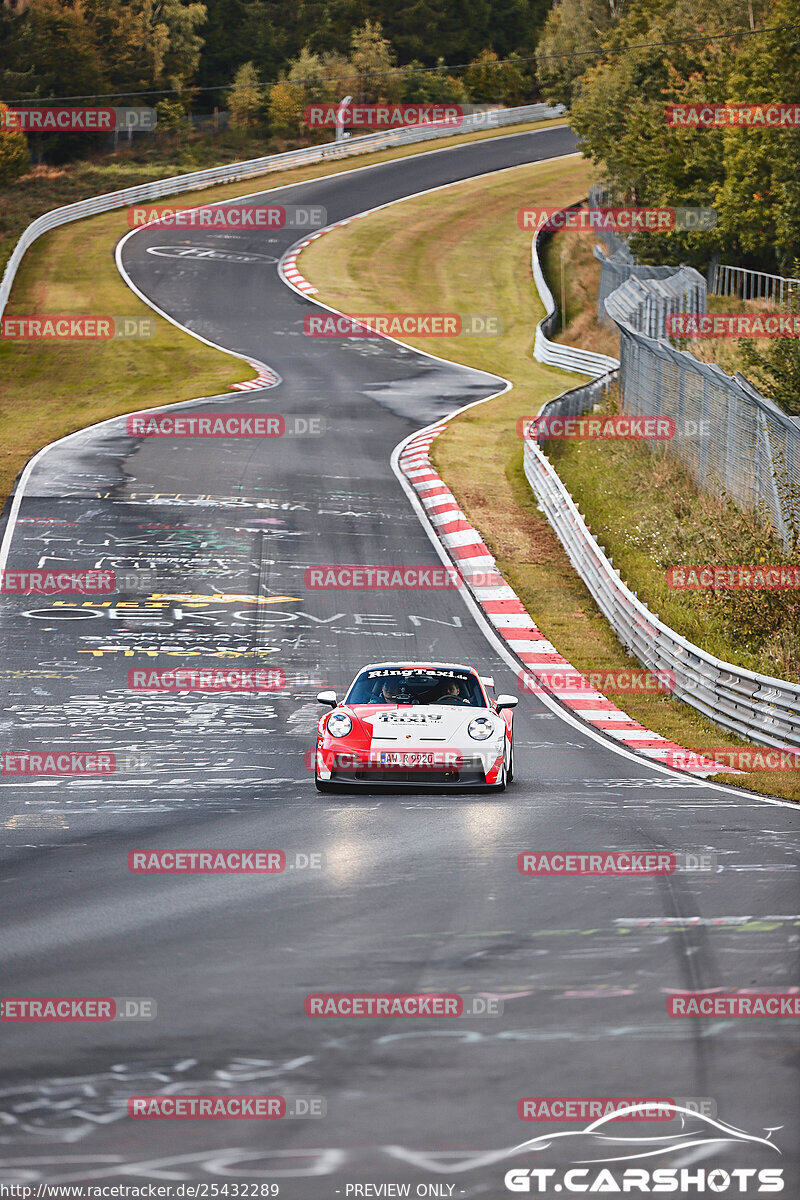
<point>330,698</point>
<point>506,702</point>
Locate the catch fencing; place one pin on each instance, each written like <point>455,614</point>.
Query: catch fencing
<point>732,440</point>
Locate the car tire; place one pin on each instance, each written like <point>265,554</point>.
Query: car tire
<point>322,786</point>
<point>510,771</point>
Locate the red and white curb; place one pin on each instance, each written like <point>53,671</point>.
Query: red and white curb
<point>289,268</point>
<point>265,378</point>
<point>507,614</point>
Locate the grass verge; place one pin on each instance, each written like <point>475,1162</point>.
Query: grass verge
<point>460,251</point>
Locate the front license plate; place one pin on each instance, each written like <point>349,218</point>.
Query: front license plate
<point>394,758</point>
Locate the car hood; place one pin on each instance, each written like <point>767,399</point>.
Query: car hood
<point>419,724</point>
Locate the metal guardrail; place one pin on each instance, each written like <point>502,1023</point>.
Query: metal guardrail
<point>553,354</point>
<point>251,168</point>
<point>759,707</point>
<point>750,285</point>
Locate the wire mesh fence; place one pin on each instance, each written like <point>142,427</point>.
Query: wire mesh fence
<point>733,440</point>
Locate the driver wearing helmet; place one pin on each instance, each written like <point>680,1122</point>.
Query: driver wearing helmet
<point>396,691</point>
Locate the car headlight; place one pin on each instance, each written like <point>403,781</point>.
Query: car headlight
<point>339,725</point>
<point>480,729</point>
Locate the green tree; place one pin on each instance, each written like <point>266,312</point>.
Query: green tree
<point>149,44</point>
<point>308,82</point>
<point>571,42</point>
<point>490,81</point>
<point>13,153</point>
<point>172,121</point>
<point>431,87</point>
<point>18,79</point>
<point>759,199</point>
<point>246,98</point>
<point>373,59</point>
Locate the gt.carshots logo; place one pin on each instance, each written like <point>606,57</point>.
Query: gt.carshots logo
<point>593,1150</point>
<point>684,1181</point>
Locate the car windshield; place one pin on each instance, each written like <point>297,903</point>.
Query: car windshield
<point>416,685</point>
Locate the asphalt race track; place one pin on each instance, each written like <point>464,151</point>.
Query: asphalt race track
<point>419,892</point>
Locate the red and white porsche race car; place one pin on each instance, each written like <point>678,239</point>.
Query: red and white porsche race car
<point>416,724</point>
